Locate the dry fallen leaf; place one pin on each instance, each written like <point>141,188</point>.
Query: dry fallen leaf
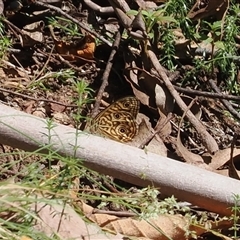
<point>234,167</point>
<point>145,86</point>
<point>57,107</point>
<point>64,222</point>
<point>184,153</point>
<point>88,49</point>
<point>162,227</point>
<point>188,156</point>
<point>158,228</point>
<point>221,159</point>
<point>156,145</point>
<point>32,34</point>
<point>25,238</point>
<point>73,51</point>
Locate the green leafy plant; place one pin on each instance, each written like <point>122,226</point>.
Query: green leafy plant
<point>83,98</point>
<point>226,56</point>
<point>235,216</point>
<point>151,18</point>
<point>67,26</point>
<point>62,76</point>
<point>155,17</point>
<point>168,49</point>
<point>5,42</point>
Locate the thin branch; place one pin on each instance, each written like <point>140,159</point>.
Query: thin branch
<point>106,74</point>
<point>207,94</point>
<point>80,24</point>
<point>36,99</point>
<point>226,103</point>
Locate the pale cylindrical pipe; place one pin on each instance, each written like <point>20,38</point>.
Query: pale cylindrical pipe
<point>189,183</point>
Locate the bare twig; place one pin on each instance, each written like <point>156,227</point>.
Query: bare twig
<point>121,8</point>
<point>226,103</point>
<point>79,70</point>
<point>206,94</point>
<point>115,213</point>
<point>15,67</point>
<point>36,99</point>
<point>97,8</point>
<point>82,25</point>
<point>106,74</point>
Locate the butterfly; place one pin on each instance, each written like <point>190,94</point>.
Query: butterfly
<point>118,121</point>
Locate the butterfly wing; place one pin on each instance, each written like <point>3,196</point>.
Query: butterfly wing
<point>128,104</point>
<point>118,121</point>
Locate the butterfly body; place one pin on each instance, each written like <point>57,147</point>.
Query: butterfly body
<point>118,121</point>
